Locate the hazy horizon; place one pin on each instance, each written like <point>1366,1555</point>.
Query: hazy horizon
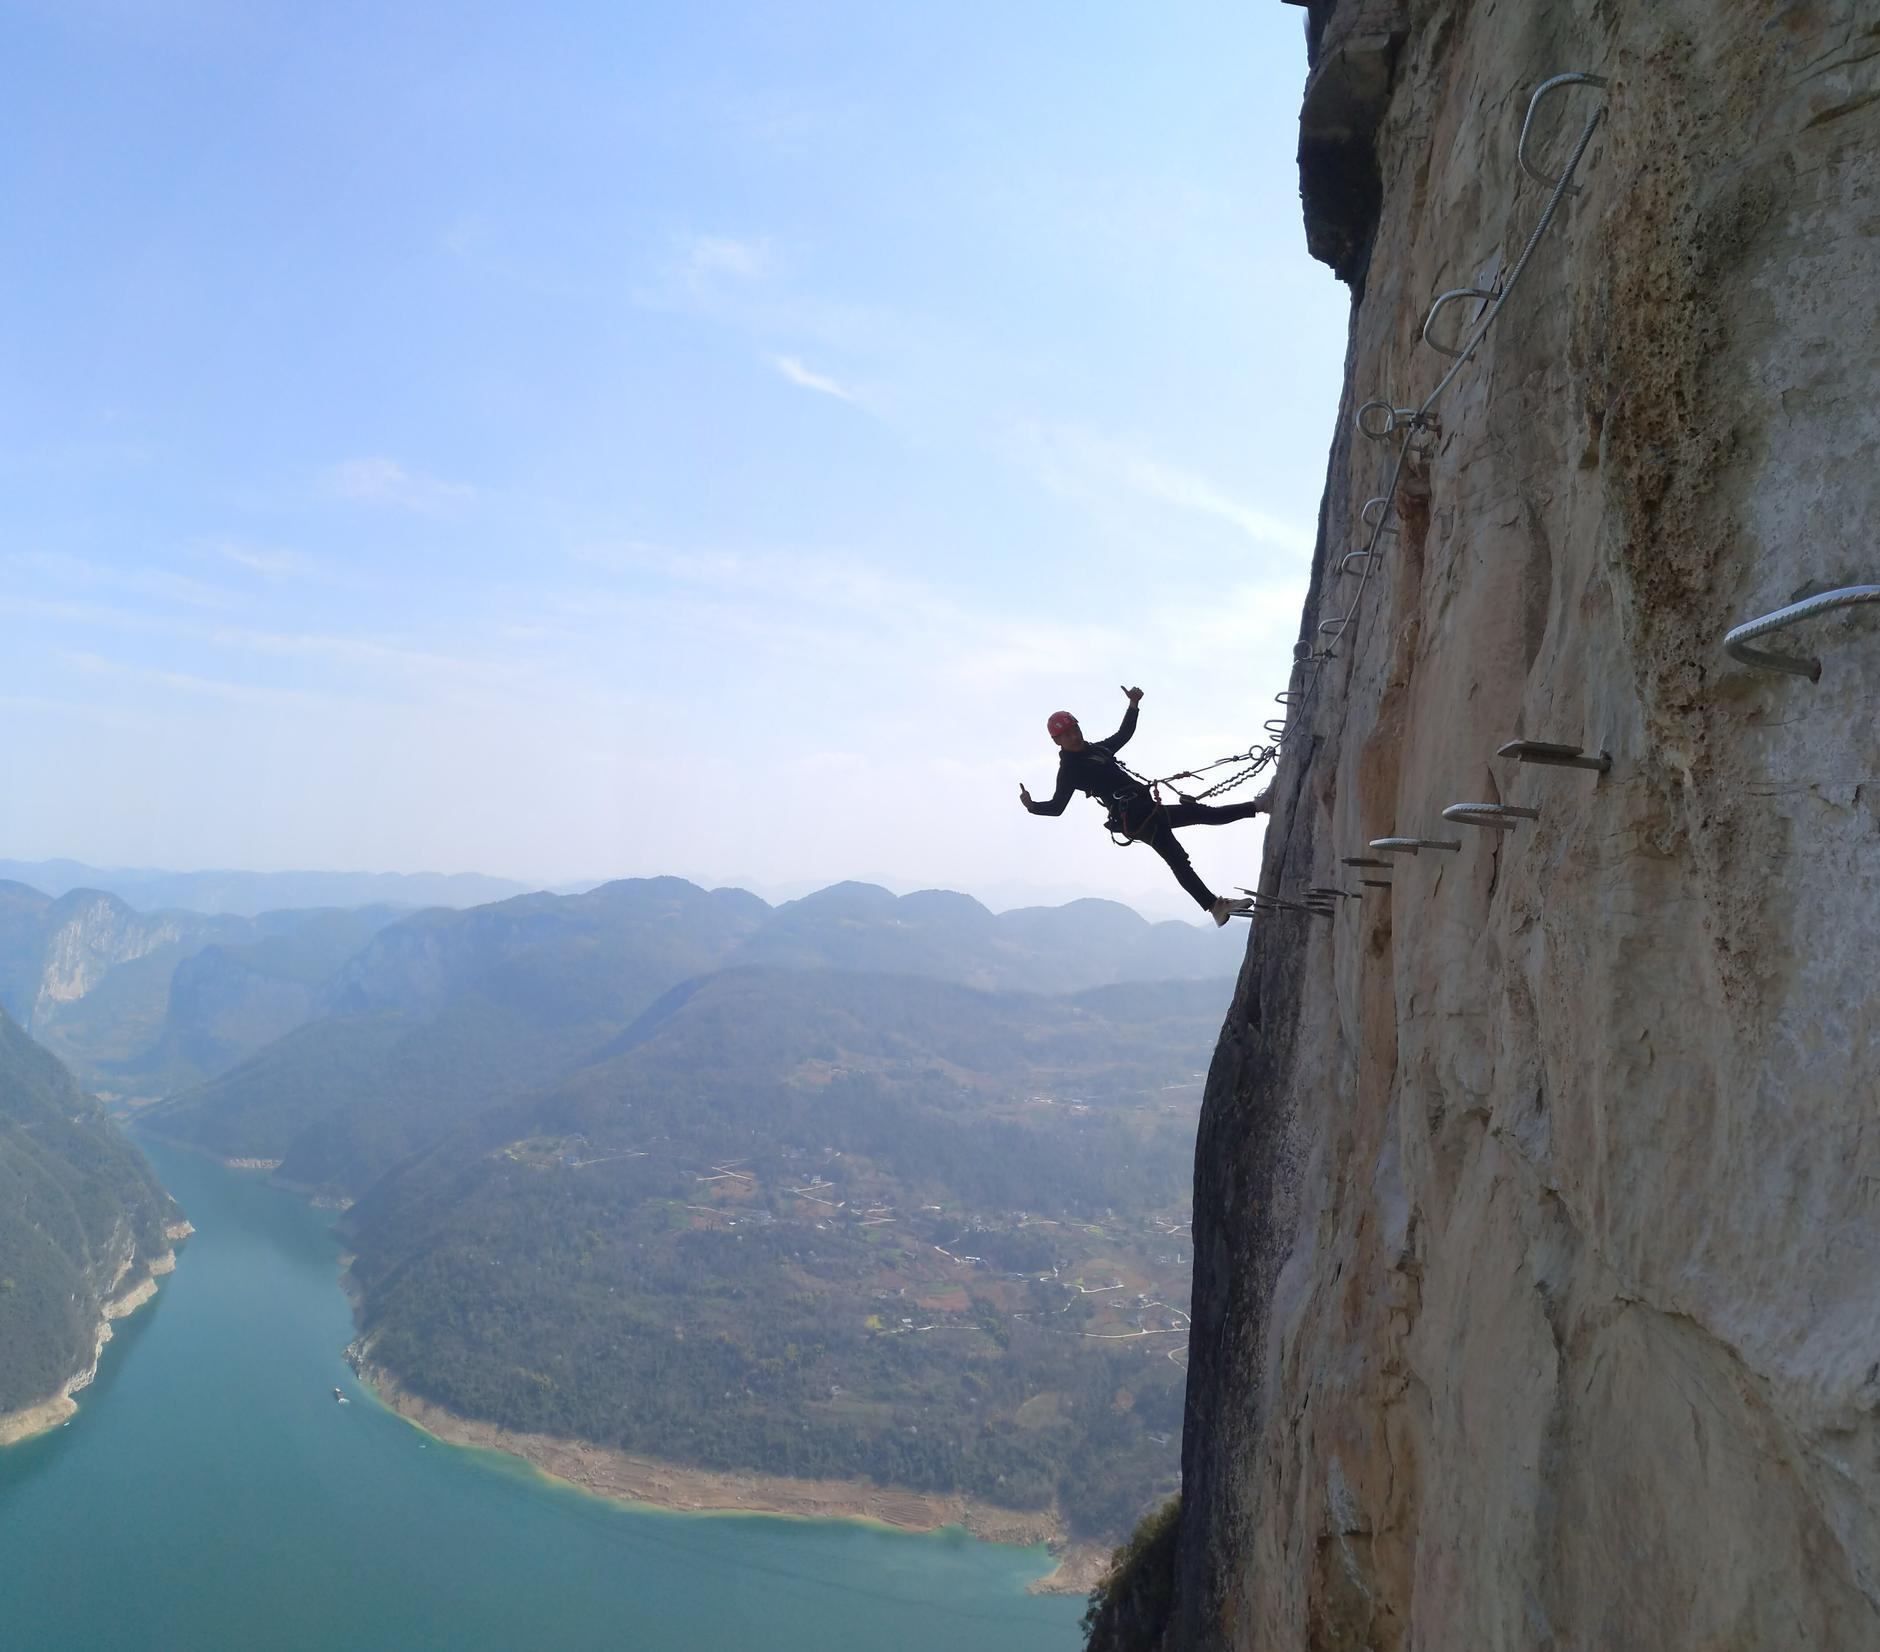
<point>997,897</point>
<point>585,446</point>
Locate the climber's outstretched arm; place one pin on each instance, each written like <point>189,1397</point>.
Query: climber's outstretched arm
<point>1055,804</point>
<point>1120,738</point>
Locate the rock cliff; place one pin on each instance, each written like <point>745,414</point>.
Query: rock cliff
<point>1537,1296</point>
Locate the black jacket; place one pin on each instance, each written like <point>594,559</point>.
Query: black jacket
<point>1096,772</point>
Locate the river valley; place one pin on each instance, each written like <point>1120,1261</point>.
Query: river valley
<point>212,1494</point>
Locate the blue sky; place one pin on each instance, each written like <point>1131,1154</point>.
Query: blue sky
<point>589,440</point>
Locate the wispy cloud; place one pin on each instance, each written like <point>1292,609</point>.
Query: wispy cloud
<point>464,237</point>
<point>828,607</point>
<point>57,568</point>
<point>1190,492</point>
<point>275,561</point>
<point>797,373</point>
<point>354,654</point>
<point>185,682</point>
<point>80,613</point>
<point>814,579</point>
<point>109,716</point>
<point>381,481</point>
<point>748,260</point>
<point>1095,469</point>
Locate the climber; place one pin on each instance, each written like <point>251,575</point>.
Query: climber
<point>1135,813</point>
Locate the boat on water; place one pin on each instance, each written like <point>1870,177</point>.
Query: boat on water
<point>338,1395</point>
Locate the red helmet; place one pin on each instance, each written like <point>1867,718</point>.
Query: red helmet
<point>1059,722</point>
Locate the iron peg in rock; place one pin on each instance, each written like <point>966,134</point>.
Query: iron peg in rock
<point>1501,817</point>
<point>1553,756</point>
<point>1735,642</point>
<point>1410,845</point>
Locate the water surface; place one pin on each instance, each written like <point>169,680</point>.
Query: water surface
<point>211,1494</point>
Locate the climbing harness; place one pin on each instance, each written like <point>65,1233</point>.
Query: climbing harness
<point>1246,764</point>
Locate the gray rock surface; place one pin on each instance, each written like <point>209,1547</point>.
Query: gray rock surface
<point>1538,1260</point>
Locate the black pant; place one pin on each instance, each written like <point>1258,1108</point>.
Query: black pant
<point>1158,831</point>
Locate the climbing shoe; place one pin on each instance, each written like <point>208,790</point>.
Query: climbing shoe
<point>1223,909</point>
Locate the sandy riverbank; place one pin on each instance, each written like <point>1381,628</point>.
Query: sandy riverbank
<point>603,1471</point>
<point>62,1406</point>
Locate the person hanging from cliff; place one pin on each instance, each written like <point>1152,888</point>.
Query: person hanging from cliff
<point>1135,813</point>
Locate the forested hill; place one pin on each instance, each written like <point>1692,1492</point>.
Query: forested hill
<point>445,1013</point>
<point>824,1223</point>
<point>81,1219</point>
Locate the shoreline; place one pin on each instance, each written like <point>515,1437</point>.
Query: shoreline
<point>620,1476</point>
<point>60,1408</point>
<point>269,1169</point>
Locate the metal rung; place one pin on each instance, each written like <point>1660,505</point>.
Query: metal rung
<point>1360,860</point>
<point>1562,757</point>
<point>1374,512</point>
<point>1375,883</point>
<point>1330,889</point>
<point>1572,78</point>
<point>1452,296</point>
<point>1410,845</point>
<point>1272,903</point>
<point>1735,643</point>
<point>1345,561</point>
<point>1331,627</point>
<point>1503,817</point>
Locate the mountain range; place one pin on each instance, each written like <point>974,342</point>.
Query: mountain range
<point>143,1003</point>
<point>248,894</point>
<point>443,1013</point>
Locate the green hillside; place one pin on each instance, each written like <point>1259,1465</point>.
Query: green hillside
<point>77,1203</point>
<point>816,1223</point>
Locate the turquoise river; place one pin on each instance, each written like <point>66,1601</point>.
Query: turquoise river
<point>212,1495</point>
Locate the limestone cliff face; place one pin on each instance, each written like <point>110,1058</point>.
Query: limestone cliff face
<point>93,933</point>
<point>1537,1295</point>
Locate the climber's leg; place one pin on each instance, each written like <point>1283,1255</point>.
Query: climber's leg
<point>1163,841</point>
<point>1213,814</point>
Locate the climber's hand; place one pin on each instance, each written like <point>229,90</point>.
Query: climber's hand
<point>1264,802</point>
<point>1134,694</point>
<point>1024,796</point>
